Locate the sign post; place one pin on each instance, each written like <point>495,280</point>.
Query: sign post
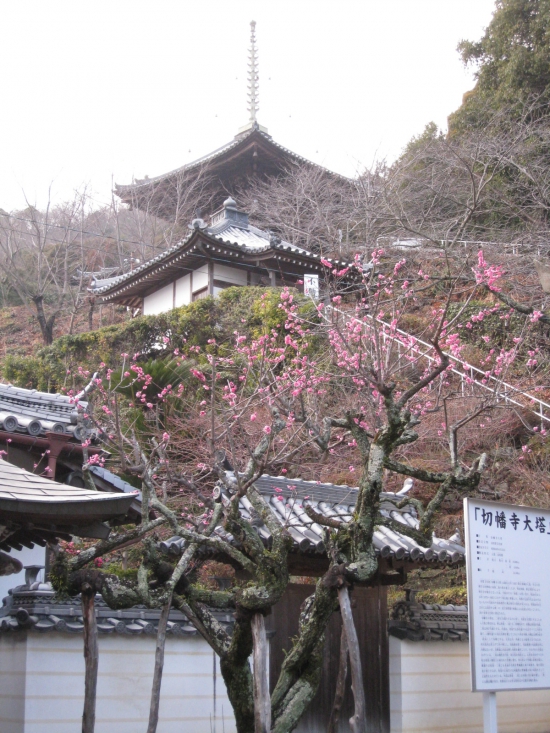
<point>508,599</point>
<point>490,724</point>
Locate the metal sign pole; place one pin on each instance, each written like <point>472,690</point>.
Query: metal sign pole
<point>490,712</point>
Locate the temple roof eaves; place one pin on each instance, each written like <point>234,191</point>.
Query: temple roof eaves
<point>240,138</point>
<point>35,509</point>
<point>250,241</point>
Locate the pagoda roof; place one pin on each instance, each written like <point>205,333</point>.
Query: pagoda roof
<point>35,509</point>
<point>252,152</point>
<point>230,240</point>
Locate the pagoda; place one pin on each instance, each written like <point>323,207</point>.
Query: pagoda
<point>252,155</point>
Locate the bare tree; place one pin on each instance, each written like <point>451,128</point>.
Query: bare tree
<point>483,185</point>
<point>40,251</point>
<point>267,406</point>
<point>313,208</point>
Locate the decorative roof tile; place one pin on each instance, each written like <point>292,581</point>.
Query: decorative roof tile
<point>413,621</point>
<point>286,499</point>
<point>34,412</point>
<point>33,607</point>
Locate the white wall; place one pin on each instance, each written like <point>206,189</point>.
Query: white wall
<point>183,291</point>
<point>230,274</point>
<point>42,682</point>
<point>200,278</point>
<point>159,302</point>
<point>163,299</point>
<point>13,661</point>
<point>430,691</point>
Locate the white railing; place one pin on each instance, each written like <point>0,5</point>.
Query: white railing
<point>514,248</point>
<point>502,391</point>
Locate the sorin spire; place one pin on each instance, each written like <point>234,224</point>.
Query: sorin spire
<point>253,75</point>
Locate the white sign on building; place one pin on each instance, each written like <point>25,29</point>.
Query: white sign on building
<point>311,286</point>
<point>508,548</point>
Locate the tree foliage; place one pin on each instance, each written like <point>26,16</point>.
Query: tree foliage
<point>72,358</point>
<point>512,59</point>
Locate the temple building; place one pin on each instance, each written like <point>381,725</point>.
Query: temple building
<point>228,252</point>
<point>42,490</point>
<point>251,156</point>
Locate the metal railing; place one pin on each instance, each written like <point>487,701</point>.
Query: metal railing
<point>516,248</point>
<point>502,391</point>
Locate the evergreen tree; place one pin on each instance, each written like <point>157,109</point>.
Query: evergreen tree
<point>512,58</point>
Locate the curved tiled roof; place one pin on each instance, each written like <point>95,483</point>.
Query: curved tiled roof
<point>20,489</point>
<point>34,607</point>
<point>114,480</point>
<point>45,411</point>
<point>218,153</point>
<point>159,259</point>
<point>286,499</point>
<point>249,240</point>
<point>413,621</point>
<point>35,509</point>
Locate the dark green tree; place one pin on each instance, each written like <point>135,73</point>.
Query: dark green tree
<point>512,59</point>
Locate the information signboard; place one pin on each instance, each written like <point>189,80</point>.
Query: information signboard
<point>311,286</point>
<point>507,553</point>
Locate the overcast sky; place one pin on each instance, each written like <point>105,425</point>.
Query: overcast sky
<point>96,91</point>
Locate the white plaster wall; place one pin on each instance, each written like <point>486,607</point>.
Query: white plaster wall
<point>50,686</point>
<point>27,556</point>
<point>183,291</point>
<point>430,691</point>
<point>163,299</point>
<point>230,274</point>
<point>200,278</point>
<point>159,302</point>
<point>12,683</point>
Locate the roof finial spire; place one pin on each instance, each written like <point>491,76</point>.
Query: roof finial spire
<point>253,88</point>
<point>253,75</point>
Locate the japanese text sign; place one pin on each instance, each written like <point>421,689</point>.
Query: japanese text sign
<point>311,286</point>
<point>507,552</point>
